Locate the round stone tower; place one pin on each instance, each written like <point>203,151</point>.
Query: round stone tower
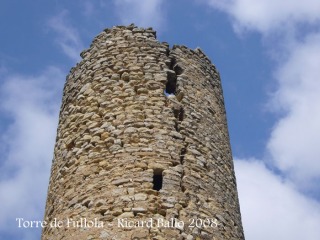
<point>142,148</point>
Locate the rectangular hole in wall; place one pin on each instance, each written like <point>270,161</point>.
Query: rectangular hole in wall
<point>157,180</point>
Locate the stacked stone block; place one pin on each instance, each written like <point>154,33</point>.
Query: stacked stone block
<point>142,135</point>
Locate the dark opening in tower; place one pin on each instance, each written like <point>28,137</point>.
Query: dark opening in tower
<point>157,180</point>
<point>171,82</point>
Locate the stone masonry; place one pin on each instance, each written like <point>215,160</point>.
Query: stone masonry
<point>142,148</point>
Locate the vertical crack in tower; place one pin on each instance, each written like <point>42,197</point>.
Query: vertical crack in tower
<point>142,137</point>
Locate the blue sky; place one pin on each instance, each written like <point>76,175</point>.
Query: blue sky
<point>267,53</point>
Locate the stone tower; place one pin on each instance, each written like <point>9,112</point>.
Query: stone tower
<point>142,148</point>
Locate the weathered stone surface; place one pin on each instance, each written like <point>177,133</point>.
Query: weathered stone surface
<point>143,135</point>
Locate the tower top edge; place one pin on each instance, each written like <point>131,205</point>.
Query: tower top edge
<point>118,33</point>
<point>132,27</point>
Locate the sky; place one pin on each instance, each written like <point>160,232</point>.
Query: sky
<point>267,53</point>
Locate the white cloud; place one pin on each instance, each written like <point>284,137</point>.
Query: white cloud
<point>268,15</point>
<point>143,13</point>
<point>67,37</point>
<point>271,207</point>
<point>294,143</point>
<point>274,207</point>
<point>31,102</point>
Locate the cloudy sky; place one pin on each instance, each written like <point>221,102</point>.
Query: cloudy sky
<point>267,52</point>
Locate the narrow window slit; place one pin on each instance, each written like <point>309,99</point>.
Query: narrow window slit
<point>171,84</point>
<point>157,180</point>
<point>171,79</point>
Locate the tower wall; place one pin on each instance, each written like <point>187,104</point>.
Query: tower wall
<point>142,136</point>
